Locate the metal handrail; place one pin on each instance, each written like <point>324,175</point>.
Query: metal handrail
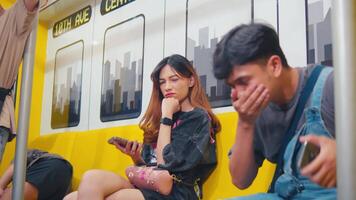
<point>24,114</point>
<point>344,55</point>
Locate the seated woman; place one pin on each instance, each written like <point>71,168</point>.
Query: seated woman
<point>48,176</point>
<point>179,136</point>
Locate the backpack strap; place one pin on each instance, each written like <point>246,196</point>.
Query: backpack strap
<point>304,96</point>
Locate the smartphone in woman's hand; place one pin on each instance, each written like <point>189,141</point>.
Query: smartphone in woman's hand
<point>118,141</point>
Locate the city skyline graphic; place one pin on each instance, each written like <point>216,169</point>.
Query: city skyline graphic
<point>200,53</point>
<point>207,21</point>
<point>121,94</point>
<point>319,32</point>
<point>121,88</point>
<point>200,50</point>
<point>66,100</point>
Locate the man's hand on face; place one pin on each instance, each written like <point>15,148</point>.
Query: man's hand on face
<point>322,170</point>
<point>249,103</point>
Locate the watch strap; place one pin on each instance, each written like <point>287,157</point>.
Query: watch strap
<point>166,121</point>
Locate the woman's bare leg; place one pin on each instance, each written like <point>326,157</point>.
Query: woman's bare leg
<point>97,184</point>
<point>71,196</point>
<point>126,194</point>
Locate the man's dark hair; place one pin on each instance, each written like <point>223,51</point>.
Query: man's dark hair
<point>243,44</point>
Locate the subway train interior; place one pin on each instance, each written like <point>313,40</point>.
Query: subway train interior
<point>93,61</point>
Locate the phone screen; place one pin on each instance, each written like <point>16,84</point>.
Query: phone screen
<point>308,153</point>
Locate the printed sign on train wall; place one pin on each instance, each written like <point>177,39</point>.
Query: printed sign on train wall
<point>73,21</point>
<point>107,6</point>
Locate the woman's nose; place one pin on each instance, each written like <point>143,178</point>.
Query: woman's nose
<point>168,86</point>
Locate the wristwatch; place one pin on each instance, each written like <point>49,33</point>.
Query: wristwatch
<point>166,121</point>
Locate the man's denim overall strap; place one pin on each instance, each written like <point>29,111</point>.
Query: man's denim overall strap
<point>292,185</point>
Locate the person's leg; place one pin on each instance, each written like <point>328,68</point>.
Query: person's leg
<point>30,192</point>
<point>260,196</point>
<point>60,180</point>
<point>51,176</point>
<point>97,184</point>
<point>126,194</point>
<point>314,191</point>
<point>71,196</point>
<point>4,135</point>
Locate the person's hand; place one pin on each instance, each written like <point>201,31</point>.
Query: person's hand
<point>2,191</point>
<point>169,107</point>
<point>249,103</point>
<point>322,170</point>
<point>132,149</point>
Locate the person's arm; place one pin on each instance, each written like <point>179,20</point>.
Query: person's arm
<point>243,167</point>
<point>31,5</point>
<point>164,138</point>
<point>169,107</point>
<point>6,177</point>
<point>22,15</point>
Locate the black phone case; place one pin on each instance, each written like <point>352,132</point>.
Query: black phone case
<point>118,140</point>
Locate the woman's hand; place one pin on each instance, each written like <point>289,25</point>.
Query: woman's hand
<point>322,170</point>
<point>169,107</point>
<point>132,149</point>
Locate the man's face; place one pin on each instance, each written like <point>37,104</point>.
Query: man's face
<point>249,75</point>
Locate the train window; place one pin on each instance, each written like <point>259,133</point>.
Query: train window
<point>319,32</point>
<point>67,86</point>
<point>207,22</point>
<point>121,89</point>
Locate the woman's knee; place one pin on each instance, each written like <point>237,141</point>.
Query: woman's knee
<point>91,176</point>
<point>71,196</point>
<point>126,194</point>
<point>101,182</point>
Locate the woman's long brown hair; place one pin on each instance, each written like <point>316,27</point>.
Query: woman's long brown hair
<point>151,120</point>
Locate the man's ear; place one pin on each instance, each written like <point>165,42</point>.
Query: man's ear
<point>274,65</point>
<point>191,81</point>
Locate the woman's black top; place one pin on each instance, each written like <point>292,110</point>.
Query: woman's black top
<point>191,155</point>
